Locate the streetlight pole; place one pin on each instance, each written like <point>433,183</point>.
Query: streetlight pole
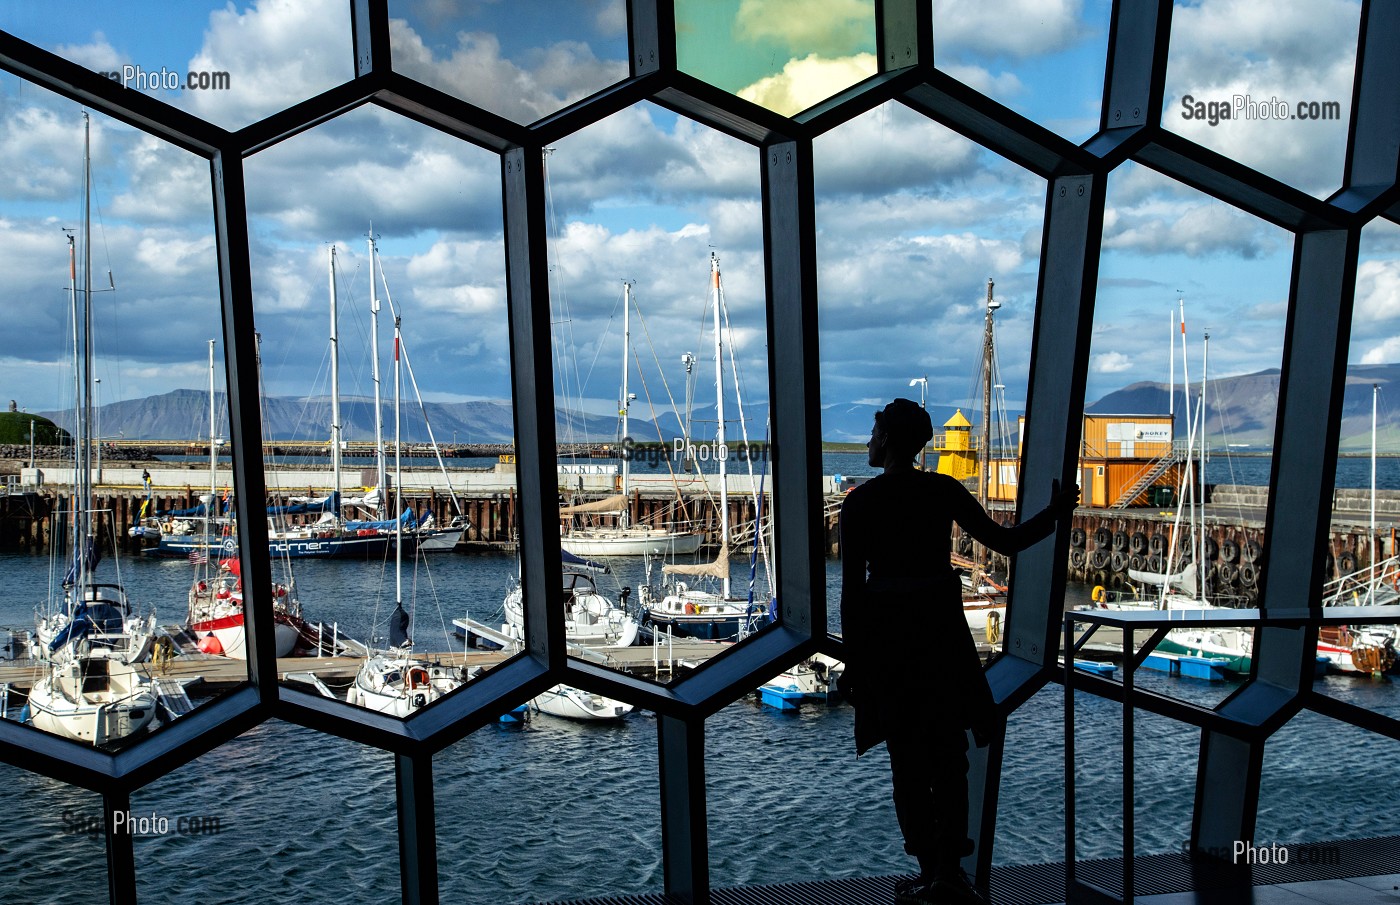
<point>923,397</point>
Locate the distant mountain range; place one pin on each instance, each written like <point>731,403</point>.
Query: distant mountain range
<point>184,415</point>
<point>1240,412</point>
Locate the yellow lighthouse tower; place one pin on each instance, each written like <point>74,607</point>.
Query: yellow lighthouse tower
<point>957,456</point>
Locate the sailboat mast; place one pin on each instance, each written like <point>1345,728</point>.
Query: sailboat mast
<point>625,403</point>
<point>213,468</point>
<point>1201,413</point>
<point>335,388</point>
<point>374,359</point>
<point>398,479</point>
<point>1375,395</point>
<point>720,449</point>
<point>76,528</point>
<point>85,444</point>
<point>988,354</point>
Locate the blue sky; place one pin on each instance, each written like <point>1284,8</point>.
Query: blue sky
<point>913,219</point>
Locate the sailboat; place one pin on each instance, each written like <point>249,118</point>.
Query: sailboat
<point>693,612</point>
<point>1185,588</point>
<point>420,535</point>
<point>215,599</point>
<point>623,538</point>
<point>1364,649</point>
<point>590,618</point>
<point>92,690</point>
<point>398,682</point>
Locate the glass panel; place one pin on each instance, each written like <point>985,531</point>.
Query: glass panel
<point>229,63</point>
<point>945,216</point>
<point>1046,62</point>
<point>55,845</point>
<point>433,361</point>
<point>280,813</point>
<point>520,61</point>
<point>786,55</point>
<point>573,812</point>
<point>1360,553</point>
<point>638,291</point>
<point>776,778</point>
<point>1270,88</point>
<point>1322,778</point>
<point>1149,442</point>
<point>116,390</point>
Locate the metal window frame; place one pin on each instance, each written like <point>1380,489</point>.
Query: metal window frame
<point>1321,295</point>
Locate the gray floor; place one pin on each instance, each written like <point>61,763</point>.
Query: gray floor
<point>1359,873</point>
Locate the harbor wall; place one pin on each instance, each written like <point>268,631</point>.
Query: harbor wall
<point>31,518</point>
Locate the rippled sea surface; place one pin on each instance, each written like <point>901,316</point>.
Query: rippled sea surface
<point>560,810</point>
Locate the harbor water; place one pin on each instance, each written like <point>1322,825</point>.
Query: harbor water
<point>559,810</point>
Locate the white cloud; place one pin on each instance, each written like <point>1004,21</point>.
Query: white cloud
<point>808,81</point>
<point>1377,291</point>
<point>1005,28</point>
<point>276,52</point>
<point>1292,52</point>
<point>816,27</point>
<point>1384,352</point>
<point>1112,363</point>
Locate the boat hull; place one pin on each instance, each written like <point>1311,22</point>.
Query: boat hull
<point>232,640</point>
<point>126,713</point>
<point>346,547</point>
<point>576,704</point>
<point>631,542</point>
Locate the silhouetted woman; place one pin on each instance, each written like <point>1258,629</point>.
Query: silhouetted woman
<point>912,669</point>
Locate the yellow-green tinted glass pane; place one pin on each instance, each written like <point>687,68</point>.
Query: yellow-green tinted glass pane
<point>785,55</point>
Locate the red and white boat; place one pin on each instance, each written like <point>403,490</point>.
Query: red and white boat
<point>216,614</point>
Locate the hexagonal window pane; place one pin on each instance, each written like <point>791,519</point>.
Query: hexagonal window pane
<point>952,333</point>
<point>1268,88</point>
<point>522,62</point>
<point>1360,562</point>
<point>1181,403</point>
<point>786,55</point>
<point>273,803</point>
<point>111,367</point>
<point>228,63</point>
<point>1044,62</point>
<point>556,830</point>
<point>661,383</point>
<point>388,420</point>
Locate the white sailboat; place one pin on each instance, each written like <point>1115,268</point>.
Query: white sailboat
<point>1363,649</point>
<point>423,535</point>
<point>623,538</point>
<point>397,682</point>
<point>91,691</point>
<point>590,619</point>
<point>694,612</point>
<point>1185,588</point>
